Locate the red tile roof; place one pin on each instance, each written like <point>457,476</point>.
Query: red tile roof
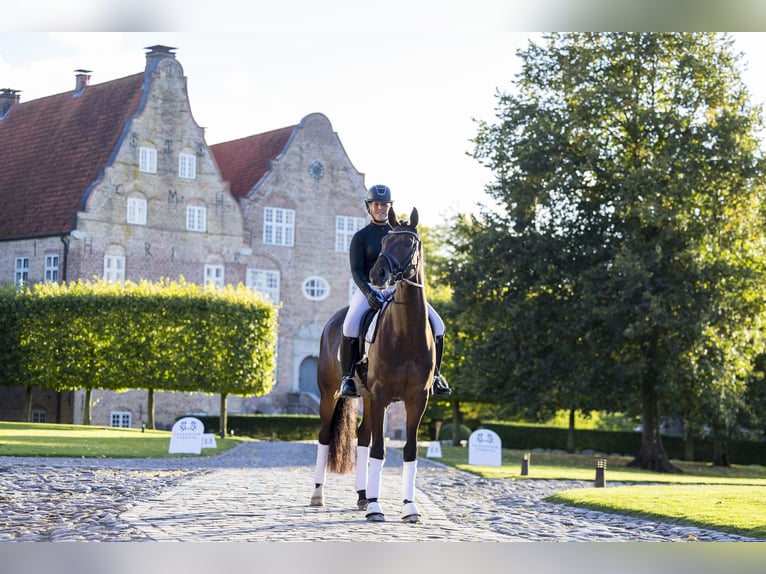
<point>243,162</point>
<point>54,148</point>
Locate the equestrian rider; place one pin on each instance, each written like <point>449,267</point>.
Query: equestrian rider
<point>363,251</point>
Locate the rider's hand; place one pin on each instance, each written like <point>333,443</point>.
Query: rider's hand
<point>375,298</point>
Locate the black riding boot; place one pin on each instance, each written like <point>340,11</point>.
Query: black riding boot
<point>348,352</point>
<point>440,386</point>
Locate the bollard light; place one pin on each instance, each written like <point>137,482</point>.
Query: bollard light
<point>600,472</point>
<point>525,464</point>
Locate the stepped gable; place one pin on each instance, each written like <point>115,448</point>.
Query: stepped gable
<point>243,162</point>
<point>54,148</point>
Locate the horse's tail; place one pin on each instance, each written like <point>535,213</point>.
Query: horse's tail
<point>340,458</point>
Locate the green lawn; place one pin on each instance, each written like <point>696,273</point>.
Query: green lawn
<point>730,499</point>
<point>40,439</point>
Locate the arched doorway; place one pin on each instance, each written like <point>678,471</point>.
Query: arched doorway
<point>307,376</point>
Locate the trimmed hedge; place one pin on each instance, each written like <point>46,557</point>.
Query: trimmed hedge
<point>523,437</point>
<point>267,427</point>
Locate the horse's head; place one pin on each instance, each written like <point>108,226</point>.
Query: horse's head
<point>400,257</point>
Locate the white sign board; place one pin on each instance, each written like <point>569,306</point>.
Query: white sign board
<point>434,449</point>
<point>485,448</point>
<point>186,436</point>
<point>208,440</point>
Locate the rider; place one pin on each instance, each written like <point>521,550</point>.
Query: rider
<point>363,251</point>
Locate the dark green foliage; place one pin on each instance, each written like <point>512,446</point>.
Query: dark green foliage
<point>624,267</point>
<point>268,427</point>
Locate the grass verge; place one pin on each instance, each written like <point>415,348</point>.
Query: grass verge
<point>728,499</point>
<point>41,439</point>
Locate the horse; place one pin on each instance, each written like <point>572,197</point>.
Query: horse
<point>400,366</point>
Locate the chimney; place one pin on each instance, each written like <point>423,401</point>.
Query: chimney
<point>157,53</point>
<point>82,79</point>
<point>8,97</point>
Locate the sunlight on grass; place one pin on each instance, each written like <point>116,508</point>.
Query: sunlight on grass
<point>728,508</point>
<point>729,499</point>
<point>40,439</point>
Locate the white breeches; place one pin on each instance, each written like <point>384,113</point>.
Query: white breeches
<point>359,306</point>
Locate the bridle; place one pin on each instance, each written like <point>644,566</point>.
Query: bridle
<point>410,264</point>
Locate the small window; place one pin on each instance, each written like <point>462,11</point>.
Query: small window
<point>51,268</point>
<point>39,416</point>
<point>278,226</point>
<point>316,288</point>
<point>114,268</point>
<point>187,166</point>
<point>147,159</point>
<point>345,227</point>
<point>352,288</point>
<point>214,275</point>
<point>137,210</point>
<point>121,419</point>
<point>196,218</point>
<point>265,281</point>
<point>21,275</point>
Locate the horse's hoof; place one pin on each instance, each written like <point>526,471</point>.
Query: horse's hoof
<point>362,504</point>
<point>374,513</point>
<point>410,513</point>
<point>317,497</point>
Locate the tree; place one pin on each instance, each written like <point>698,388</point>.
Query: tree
<point>625,263</point>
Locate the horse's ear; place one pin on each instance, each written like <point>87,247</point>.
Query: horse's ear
<point>392,217</point>
<point>414,217</point>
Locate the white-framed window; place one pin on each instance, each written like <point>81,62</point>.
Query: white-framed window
<point>214,275</point>
<point>147,159</point>
<point>122,419</point>
<point>345,227</point>
<point>279,226</point>
<point>136,211</point>
<point>39,416</point>
<point>51,268</point>
<point>187,166</point>
<point>114,268</point>
<point>264,281</point>
<point>196,218</point>
<point>21,271</point>
<point>316,288</point>
<point>352,288</point>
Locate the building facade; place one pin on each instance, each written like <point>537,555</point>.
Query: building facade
<point>116,181</point>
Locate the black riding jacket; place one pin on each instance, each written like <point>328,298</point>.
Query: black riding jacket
<point>363,252</point>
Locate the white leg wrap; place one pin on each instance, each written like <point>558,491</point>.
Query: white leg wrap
<point>373,479</point>
<point>409,470</point>
<point>320,470</point>
<point>362,461</point>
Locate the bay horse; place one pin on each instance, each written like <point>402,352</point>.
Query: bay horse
<point>399,367</point>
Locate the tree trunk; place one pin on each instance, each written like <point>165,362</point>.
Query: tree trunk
<point>652,455</point>
<point>150,409</point>
<point>571,431</point>
<point>720,456</point>
<point>222,427</point>
<point>28,404</point>
<point>86,408</point>
<point>455,422</point>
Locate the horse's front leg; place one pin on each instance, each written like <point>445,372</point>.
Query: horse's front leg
<point>377,456</point>
<point>415,411</point>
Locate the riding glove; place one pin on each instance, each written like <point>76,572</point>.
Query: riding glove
<point>375,298</point>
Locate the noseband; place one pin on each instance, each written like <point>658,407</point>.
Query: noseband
<point>409,267</point>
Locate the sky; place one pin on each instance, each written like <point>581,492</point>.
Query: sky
<point>404,104</point>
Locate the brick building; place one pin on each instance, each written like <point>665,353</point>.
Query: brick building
<point>115,180</point>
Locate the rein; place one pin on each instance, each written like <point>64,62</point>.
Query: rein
<point>397,269</point>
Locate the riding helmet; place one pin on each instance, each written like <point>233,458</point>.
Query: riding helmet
<point>381,193</point>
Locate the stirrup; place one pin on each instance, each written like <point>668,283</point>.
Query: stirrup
<point>440,387</point>
<point>348,387</point>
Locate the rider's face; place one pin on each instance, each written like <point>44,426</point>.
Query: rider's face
<point>379,210</point>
